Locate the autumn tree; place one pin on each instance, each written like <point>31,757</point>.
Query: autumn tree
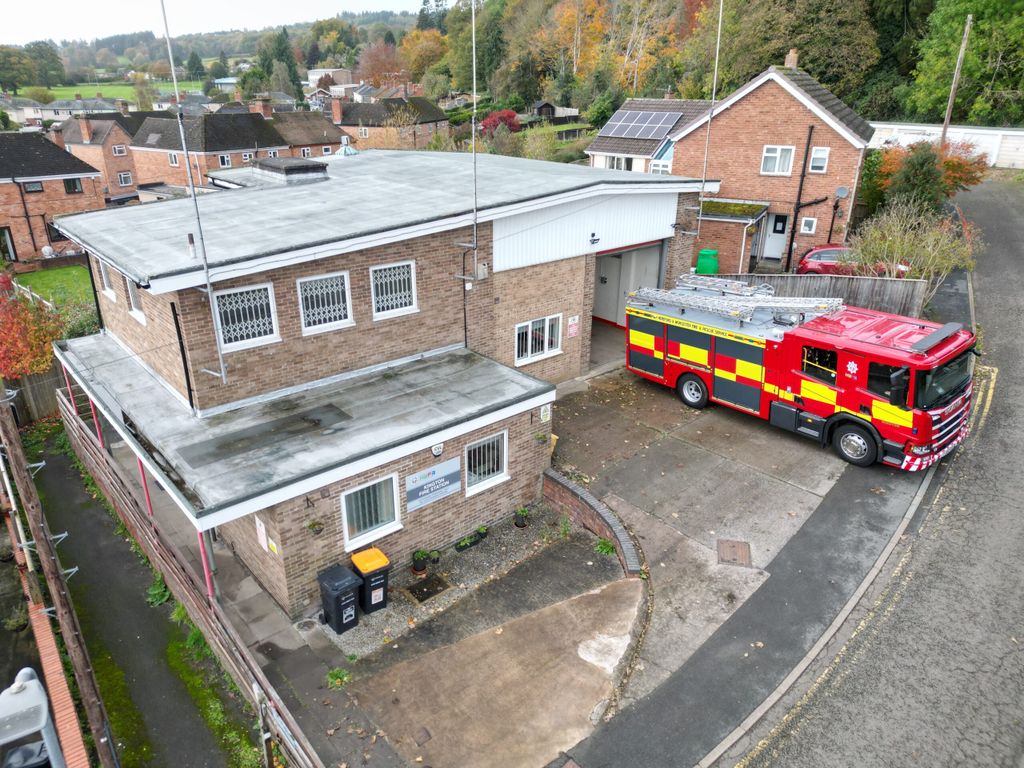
<point>29,331</point>
<point>570,42</point>
<point>505,117</point>
<point>926,172</point>
<point>145,93</point>
<point>420,50</point>
<point>379,63</point>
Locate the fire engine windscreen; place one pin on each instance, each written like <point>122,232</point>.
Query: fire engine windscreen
<point>943,383</point>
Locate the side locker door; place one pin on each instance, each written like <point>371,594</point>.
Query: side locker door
<point>739,374</point>
<point>852,380</point>
<point>646,345</point>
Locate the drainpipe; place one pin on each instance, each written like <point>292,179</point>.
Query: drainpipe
<point>799,192</point>
<point>95,297</point>
<point>28,218</point>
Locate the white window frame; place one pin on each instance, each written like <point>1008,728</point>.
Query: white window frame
<point>364,133</point>
<point>490,482</point>
<point>172,159</point>
<point>660,167</point>
<point>808,225</point>
<point>415,307</point>
<point>618,162</point>
<point>224,160</point>
<point>326,150</point>
<point>775,150</point>
<point>271,153</point>
<point>247,157</point>
<point>818,153</point>
<point>119,150</point>
<point>549,351</point>
<point>259,341</point>
<point>376,533</point>
<point>134,303</point>
<point>346,323</point>
<point>120,179</point>
<point>306,152</point>
<point>107,286</point>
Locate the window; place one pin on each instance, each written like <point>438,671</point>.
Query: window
<point>246,317</point>
<point>134,305</point>
<point>73,186</point>
<point>808,225</point>
<point>819,160</point>
<point>107,286</point>
<point>486,463</point>
<point>364,133</point>
<point>307,152</point>
<point>246,157</point>
<point>776,161</point>
<point>820,363</point>
<point>394,289</point>
<point>54,234</point>
<point>271,153</point>
<point>619,163</point>
<point>370,512</point>
<point>324,301</point>
<point>538,338</point>
<point>119,150</point>
<point>7,245</point>
<point>172,159</point>
<point>124,179</point>
<point>326,150</point>
<point>661,167</point>
<point>32,186</point>
<point>224,160</point>
<point>880,379</point>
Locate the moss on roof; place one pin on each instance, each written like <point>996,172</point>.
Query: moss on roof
<point>739,210</point>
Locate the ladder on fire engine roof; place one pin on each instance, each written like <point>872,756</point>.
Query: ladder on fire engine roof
<point>735,287</point>
<point>738,307</point>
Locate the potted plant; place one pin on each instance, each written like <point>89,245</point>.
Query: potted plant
<point>316,527</point>
<point>435,556</point>
<point>419,561</point>
<point>465,543</point>
<point>522,517</point>
<point>481,533</point>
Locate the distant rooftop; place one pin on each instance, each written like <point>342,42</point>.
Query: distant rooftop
<point>364,196</point>
<point>33,155</point>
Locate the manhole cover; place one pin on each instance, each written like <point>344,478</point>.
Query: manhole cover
<point>733,552</point>
<point>428,588</point>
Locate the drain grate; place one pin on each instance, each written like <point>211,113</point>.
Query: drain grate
<point>430,587</point>
<point>732,552</point>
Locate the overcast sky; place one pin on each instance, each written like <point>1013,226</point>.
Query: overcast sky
<point>24,20</point>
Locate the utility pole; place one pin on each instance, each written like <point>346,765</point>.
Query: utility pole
<point>66,618</point>
<point>956,80</point>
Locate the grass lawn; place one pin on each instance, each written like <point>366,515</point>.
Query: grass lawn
<point>117,90</point>
<point>59,285</point>
<point>559,128</point>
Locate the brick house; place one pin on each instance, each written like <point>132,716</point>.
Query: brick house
<point>309,134</point>
<point>103,140</point>
<point>380,385</point>
<point>61,109</point>
<point>788,154</point>
<point>37,182</point>
<point>630,140</point>
<point>219,140</point>
<point>398,123</point>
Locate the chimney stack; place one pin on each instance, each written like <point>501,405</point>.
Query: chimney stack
<point>337,110</point>
<point>261,105</point>
<point>791,59</point>
<point>85,126</point>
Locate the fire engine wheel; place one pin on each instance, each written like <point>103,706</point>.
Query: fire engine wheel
<point>692,390</point>
<point>855,445</point>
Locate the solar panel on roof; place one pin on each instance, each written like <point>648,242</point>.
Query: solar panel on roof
<point>631,124</point>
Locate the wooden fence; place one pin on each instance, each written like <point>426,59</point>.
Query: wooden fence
<point>37,395</point>
<point>901,297</point>
<point>187,589</point>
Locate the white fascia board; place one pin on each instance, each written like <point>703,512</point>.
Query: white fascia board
<point>221,272</point>
<point>58,177</point>
<point>314,482</point>
<point>938,127</point>
<point>209,154</point>
<point>792,90</point>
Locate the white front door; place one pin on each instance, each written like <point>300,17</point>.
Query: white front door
<point>775,241</point>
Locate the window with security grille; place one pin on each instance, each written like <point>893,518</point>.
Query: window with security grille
<point>246,317</point>
<point>325,302</point>
<point>538,338</point>
<point>370,512</point>
<point>394,289</point>
<point>486,462</point>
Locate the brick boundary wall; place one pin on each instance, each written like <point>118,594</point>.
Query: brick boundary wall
<point>583,508</point>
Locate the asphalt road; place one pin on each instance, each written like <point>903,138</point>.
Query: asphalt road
<point>933,672</point>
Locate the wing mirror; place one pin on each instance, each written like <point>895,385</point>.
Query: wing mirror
<point>898,386</point>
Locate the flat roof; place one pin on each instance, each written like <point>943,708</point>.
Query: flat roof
<point>366,198</point>
<point>233,463</point>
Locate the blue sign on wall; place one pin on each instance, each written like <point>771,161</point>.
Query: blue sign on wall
<point>432,484</point>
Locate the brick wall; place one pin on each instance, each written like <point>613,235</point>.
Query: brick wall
<point>153,166</point>
<point>410,137</point>
<point>102,157</point>
<point>728,239</point>
<point>316,151</point>
<point>290,575</point>
<point>155,340</point>
<point>298,358</point>
<point>681,252</point>
<point>770,116</point>
<point>29,235</point>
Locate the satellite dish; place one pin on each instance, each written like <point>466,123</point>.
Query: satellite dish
<point>842,193</point>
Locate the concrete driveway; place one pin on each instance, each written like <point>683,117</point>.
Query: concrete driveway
<point>683,481</point>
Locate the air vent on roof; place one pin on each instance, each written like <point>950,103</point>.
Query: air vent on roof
<point>289,170</point>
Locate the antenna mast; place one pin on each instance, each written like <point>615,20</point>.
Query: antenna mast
<point>711,114</point>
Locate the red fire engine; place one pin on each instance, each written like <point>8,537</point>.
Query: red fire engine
<point>876,386</point>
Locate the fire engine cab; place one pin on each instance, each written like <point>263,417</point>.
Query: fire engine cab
<point>876,386</point>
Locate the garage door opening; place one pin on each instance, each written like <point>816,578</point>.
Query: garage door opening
<point>615,275</point>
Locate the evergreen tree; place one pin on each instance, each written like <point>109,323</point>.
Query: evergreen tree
<point>195,67</point>
<point>223,59</point>
<point>439,14</point>
<point>313,55</point>
<point>425,19</point>
<point>919,179</point>
<point>389,38</point>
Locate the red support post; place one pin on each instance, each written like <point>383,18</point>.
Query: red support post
<point>96,421</point>
<point>145,487</point>
<point>67,381</point>
<point>206,567</point>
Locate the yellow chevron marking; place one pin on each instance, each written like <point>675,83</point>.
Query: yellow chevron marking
<point>891,414</point>
<point>812,390</point>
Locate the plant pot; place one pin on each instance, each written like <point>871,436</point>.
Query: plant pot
<point>419,567</point>
<point>435,559</point>
<point>521,521</point>
<point>481,535</point>
<point>463,546</point>
<point>316,528</point>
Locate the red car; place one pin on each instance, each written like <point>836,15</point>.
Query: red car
<point>832,259</point>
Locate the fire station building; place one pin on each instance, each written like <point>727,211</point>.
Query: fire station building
<point>346,369</point>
